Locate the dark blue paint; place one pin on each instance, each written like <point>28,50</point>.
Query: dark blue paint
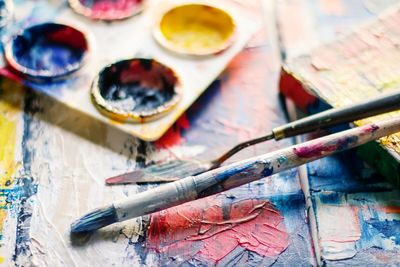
<point>268,170</point>
<point>49,50</point>
<point>152,86</point>
<point>390,229</point>
<point>221,177</point>
<point>28,185</point>
<point>346,142</point>
<point>95,220</point>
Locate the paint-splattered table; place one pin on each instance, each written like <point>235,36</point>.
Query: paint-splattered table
<point>53,162</point>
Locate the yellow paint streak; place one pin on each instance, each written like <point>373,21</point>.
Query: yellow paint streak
<point>1,260</point>
<point>391,141</point>
<point>11,97</point>
<point>197,28</point>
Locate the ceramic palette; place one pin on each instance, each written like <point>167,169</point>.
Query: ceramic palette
<point>132,38</point>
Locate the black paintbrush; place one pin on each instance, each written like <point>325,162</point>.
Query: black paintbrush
<point>172,171</point>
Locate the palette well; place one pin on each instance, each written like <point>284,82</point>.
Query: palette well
<point>127,39</point>
<point>47,51</point>
<point>107,9</point>
<point>136,90</point>
<point>195,29</point>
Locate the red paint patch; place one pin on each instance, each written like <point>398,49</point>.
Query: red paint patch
<point>174,134</point>
<point>293,89</point>
<point>210,229</point>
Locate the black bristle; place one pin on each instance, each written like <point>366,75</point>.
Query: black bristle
<point>95,220</point>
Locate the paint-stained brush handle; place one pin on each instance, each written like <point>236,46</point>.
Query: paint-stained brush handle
<point>368,108</point>
<point>232,175</point>
<point>371,107</point>
<point>375,106</point>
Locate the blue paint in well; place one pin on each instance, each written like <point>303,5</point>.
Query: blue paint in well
<point>48,51</point>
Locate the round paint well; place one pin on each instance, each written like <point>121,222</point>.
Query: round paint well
<point>195,29</point>
<point>6,11</point>
<point>135,90</point>
<point>107,9</point>
<point>47,51</point>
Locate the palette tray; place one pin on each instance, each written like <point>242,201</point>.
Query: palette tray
<point>124,39</point>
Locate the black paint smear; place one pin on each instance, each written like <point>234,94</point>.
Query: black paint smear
<point>150,86</point>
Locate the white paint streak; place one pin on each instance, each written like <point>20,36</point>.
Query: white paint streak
<point>339,230</point>
<point>70,171</point>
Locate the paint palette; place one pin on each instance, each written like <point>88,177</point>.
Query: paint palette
<point>127,39</point>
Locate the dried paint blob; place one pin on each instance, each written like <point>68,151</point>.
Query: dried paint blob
<point>47,51</point>
<point>211,228</point>
<point>135,90</point>
<point>107,9</point>
<point>6,10</point>
<point>195,29</point>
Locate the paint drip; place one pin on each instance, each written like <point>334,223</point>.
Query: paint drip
<point>47,51</point>
<point>212,228</point>
<point>107,9</point>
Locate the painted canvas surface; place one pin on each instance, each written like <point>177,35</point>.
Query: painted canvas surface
<point>353,210</point>
<point>57,158</point>
<point>357,65</point>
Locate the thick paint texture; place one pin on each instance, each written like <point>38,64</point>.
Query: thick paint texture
<point>344,71</point>
<point>138,85</point>
<point>356,210</point>
<point>197,29</point>
<point>107,9</point>
<point>214,228</point>
<point>9,115</point>
<point>48,51</point>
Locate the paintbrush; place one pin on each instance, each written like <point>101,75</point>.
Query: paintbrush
<point>232,175</point>
<point>178,169</point>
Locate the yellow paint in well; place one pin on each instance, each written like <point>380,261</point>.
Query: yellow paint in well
<point>196,29</point>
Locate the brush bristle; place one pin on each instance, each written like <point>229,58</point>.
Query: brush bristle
<point>95,220</point>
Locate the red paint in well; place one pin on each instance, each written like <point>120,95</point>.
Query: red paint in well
<point>210,229</point>
<point>111,9</point>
